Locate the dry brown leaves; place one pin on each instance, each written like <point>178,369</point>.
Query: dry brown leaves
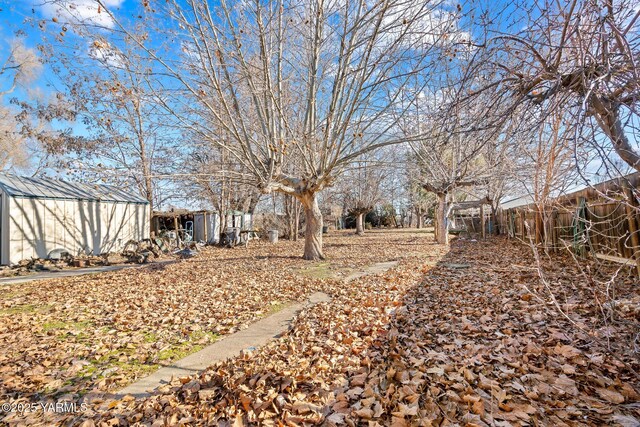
<point>418,345</point>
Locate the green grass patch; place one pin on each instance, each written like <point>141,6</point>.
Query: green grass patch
<point>196,342</point>
<point>321,270</point>
<point>55,324</point>
<point>204,335</point>
<point>150,337</point>
<point>18,309</point>
<point>278,306</point>
<point>134,367</point>
<point>12,291</point>
<point>128,364</point>
<point>177,352</point>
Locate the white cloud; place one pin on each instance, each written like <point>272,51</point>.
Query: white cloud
<point>419,24</point>
<point>104,52</point>
<point>81,11</point>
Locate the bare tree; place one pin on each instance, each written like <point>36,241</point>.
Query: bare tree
<point>19,67</point>
<point>217,179</point>
<point>576,58</point>
<point>308,83</point>
<point>129,138</point>
<point>449,158</point>
<point>419,199</point>
<point>361,186</point>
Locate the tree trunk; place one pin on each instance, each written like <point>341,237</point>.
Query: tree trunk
<point>608,117</point>
<point>360,224</point>
<point>539,224</point>
<point>419,218</point>
<point>442,235</point>
<point>296,224</point>
<point>313,227</point>
<point>288,202</point>
<point>494,219</point>
<point>251,203</point>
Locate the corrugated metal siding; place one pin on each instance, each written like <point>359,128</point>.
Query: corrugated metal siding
<point>38,226</point>
<point>4,228</point>
<point>42,188</point>
<point>120,223</point>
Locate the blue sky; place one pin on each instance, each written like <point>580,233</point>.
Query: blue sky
<point>33,22</point>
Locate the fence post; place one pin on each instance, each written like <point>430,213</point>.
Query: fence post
<point>580,227</point>
<point>630,207</point>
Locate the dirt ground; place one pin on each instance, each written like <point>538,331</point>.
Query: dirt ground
<point>459,335</point>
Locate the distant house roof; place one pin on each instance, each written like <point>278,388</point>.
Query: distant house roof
<point>45,188</point>
<point>470,204</point>
<point>517,202</point>
<point>181,212</point>
<point>611,186</point>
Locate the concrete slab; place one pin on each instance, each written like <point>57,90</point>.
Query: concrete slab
<point>380,267</point>
<point>456,266</point>
<point>62,273</point>
<point>71,273</point>
<point>256,335</point>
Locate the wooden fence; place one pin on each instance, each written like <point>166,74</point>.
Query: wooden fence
<point>600,221</point>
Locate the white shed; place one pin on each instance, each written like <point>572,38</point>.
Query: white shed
<point>40,215</point>
<point>206,227</point>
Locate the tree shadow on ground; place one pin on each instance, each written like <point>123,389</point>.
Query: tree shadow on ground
<point>461,341</point>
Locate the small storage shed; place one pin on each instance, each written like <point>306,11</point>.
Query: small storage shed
<point>239,219</point>
<point>39,215</point>
<point>204,226</point>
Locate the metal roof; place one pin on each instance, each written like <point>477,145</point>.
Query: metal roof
<point>517,202</point>
<point>41,188</point>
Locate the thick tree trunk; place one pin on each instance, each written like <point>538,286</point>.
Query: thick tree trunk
<point>608,117</point>
<point>442,235</point>
<point>288,202</point>
<point>313,227</point>
<point>360,224</point>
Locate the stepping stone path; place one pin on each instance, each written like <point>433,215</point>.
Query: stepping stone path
<point>256,335</point>
<point>372,269</point>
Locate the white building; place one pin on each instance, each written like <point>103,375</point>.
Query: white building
<point>38,216</point>
<point>206,227</point>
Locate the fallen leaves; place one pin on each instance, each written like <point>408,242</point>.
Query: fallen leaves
<point>611,396</point>
<point>413,346</point>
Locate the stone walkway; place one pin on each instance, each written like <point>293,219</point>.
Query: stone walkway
<point>256,335</point>
<point>372,269</point>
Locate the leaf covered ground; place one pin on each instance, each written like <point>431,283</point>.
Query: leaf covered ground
<point>465,335</point>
